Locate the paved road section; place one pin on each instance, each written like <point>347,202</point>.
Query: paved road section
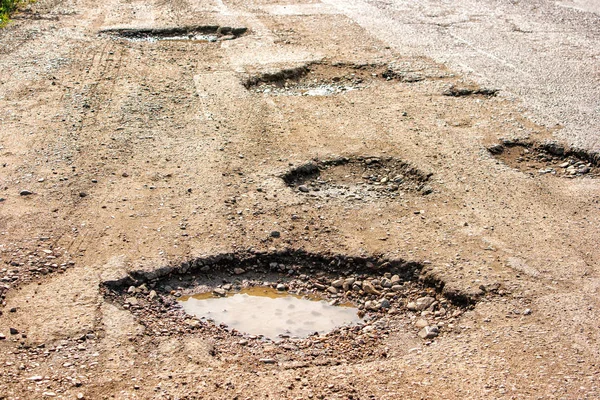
<point>545,53</point>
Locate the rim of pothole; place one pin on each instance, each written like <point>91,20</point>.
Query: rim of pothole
<point>549,157</point>
<point>394,294</point>
<point>360,177</point>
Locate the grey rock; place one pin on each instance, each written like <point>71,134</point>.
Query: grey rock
<point>429,332</point>
<point>152,294</point>
<point>14,331</point>
<point>395,280</point>
<point>25,192</point>
<point>267,360</point>
<point>332,290</point>
<point>275,234</point>
<point>303,189</point>
<point>396,288</point>
<point>281,287</point>
<point>338,283</point>
<point>424,302</point>
<point>219,292</point>
<point>238,271</point>
<point>385,304</point>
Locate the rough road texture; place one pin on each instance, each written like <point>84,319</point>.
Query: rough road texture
<point>121,155</point>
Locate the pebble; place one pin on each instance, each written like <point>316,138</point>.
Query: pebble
<point>369,288</point>
<point>275,234</point>
<point>338,283</point>
<point>527,311</point>
<point>238,271</point>
<point>303,189</point>
<point>25,192</point>
<point>132,300</point>
<point>281,287</point>
<point>424,302</point>
<point>35,378</point>
<point>219,292</point>
<point>421,323</point>
<point>49,394</point>
<point>13,331</point>
<point>267,361</point>
<point>2,336</point>
<point>429,332</point>
<point>152,294</point>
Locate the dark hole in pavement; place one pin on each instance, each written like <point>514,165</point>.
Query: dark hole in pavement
<point>547,158</point>
<point>469,90</point>
<point>324,79</point>
<point>390,294</point>
<point>358,178</point>
<point>197,33</point>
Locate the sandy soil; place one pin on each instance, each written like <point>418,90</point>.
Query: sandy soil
<point>134,161</point>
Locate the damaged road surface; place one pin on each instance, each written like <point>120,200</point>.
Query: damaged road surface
<point>411,219</point>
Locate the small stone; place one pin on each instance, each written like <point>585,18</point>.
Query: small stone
<point>411,306</point>
<point>228,286</point>
<point>396,288</point>
<point>192,323</point>
<point>131,289</point>
<point>132,300</point>
<point>527,311</point>
<point>429,332</point>
<point>347,285</point>
<point>168,289</point>
<point>152,294</point>
<point>424,302</point>
<point>25,192</point>
<point>243,342</point>
<point>35,378</point>
<point>421,323</point>
<point>267,361</point>
<point>49,394</point>
<point>275,234</point>
<point>82,194</point>
<point>303,189</point>
<point>124,174</point>
<point>386,283</point>
<point>238,271</point>
<point>2,336</point>
<point>385,304</point>
<point>369,288</point>
<point>332,290</point>
<point>13,331</point>
<point>338,283</point>
<point>219,292</point>
<point>281,287</point>
<point>395,279</point>
<point>80,396</point>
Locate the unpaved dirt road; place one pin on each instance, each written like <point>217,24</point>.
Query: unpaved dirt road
<point>341,137</point>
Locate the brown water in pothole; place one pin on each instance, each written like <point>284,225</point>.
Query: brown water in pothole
<point>268,312</point>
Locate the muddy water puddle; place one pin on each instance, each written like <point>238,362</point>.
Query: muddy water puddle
<point>265,311</point>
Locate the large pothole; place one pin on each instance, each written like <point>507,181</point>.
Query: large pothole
<point>194,33</point>
<point>390,296</point>
<point>358,178</point>
<point>324,79</point>
<point>547,158</point>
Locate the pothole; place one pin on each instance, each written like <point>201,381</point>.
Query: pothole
<point>197,33</point>
<point>547,158</point>
<point>366,298</point>
<point>325,79</point>
<point>358,178</point>
<point>469,90</point>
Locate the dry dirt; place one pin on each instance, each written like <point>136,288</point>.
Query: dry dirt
<point>130,162</point>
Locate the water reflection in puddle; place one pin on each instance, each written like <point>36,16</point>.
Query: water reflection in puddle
<point>178,38</point>
<point>268,312</point>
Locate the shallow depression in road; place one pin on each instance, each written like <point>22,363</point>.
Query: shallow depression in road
<point>271,313</point>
